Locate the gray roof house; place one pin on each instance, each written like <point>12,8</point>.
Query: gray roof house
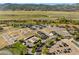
<point>61,31</point>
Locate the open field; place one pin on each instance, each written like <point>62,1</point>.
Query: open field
<point>25,15</point>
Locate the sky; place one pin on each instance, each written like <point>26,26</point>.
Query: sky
<point>39,1</point>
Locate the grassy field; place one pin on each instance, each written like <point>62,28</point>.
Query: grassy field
<point>25,15</point>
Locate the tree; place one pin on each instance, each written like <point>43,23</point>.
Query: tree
<point>44,50</point>
<point>1,28</point>
<point>49,43</point>
<point>63,20</point>
<point>33,50</point>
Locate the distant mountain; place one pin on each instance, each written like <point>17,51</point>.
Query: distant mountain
<point>41,7</point>
<point>57,3</point>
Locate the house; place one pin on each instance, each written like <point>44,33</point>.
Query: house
<point>39,49</point>
<point>61,31</point>
<point>37,53</point>
<point>29,44</point>
<point>36,27</point>
<point>42,35</point>
<point>43,41</point>
<point>53,34</point>
<point>30,51</point>
<point>31,41</point>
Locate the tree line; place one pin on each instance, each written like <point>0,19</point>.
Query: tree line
<point>61,20</point>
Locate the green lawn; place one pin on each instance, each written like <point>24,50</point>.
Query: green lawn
<point>18,49</point>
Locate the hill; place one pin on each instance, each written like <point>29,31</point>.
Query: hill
<point>40,7</point>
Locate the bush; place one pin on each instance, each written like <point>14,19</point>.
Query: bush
<point>33,50</point>
<point>44,50</point>
<point>58,39</point>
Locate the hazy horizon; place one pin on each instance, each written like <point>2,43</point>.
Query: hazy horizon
<point>39,1</point>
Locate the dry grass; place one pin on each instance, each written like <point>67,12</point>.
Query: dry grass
<point>17,15</point>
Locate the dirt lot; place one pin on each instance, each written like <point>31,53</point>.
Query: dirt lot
<point>73,47</point>
<point>9,36</point>
<point>5,52</point>
<point>2,42</point>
